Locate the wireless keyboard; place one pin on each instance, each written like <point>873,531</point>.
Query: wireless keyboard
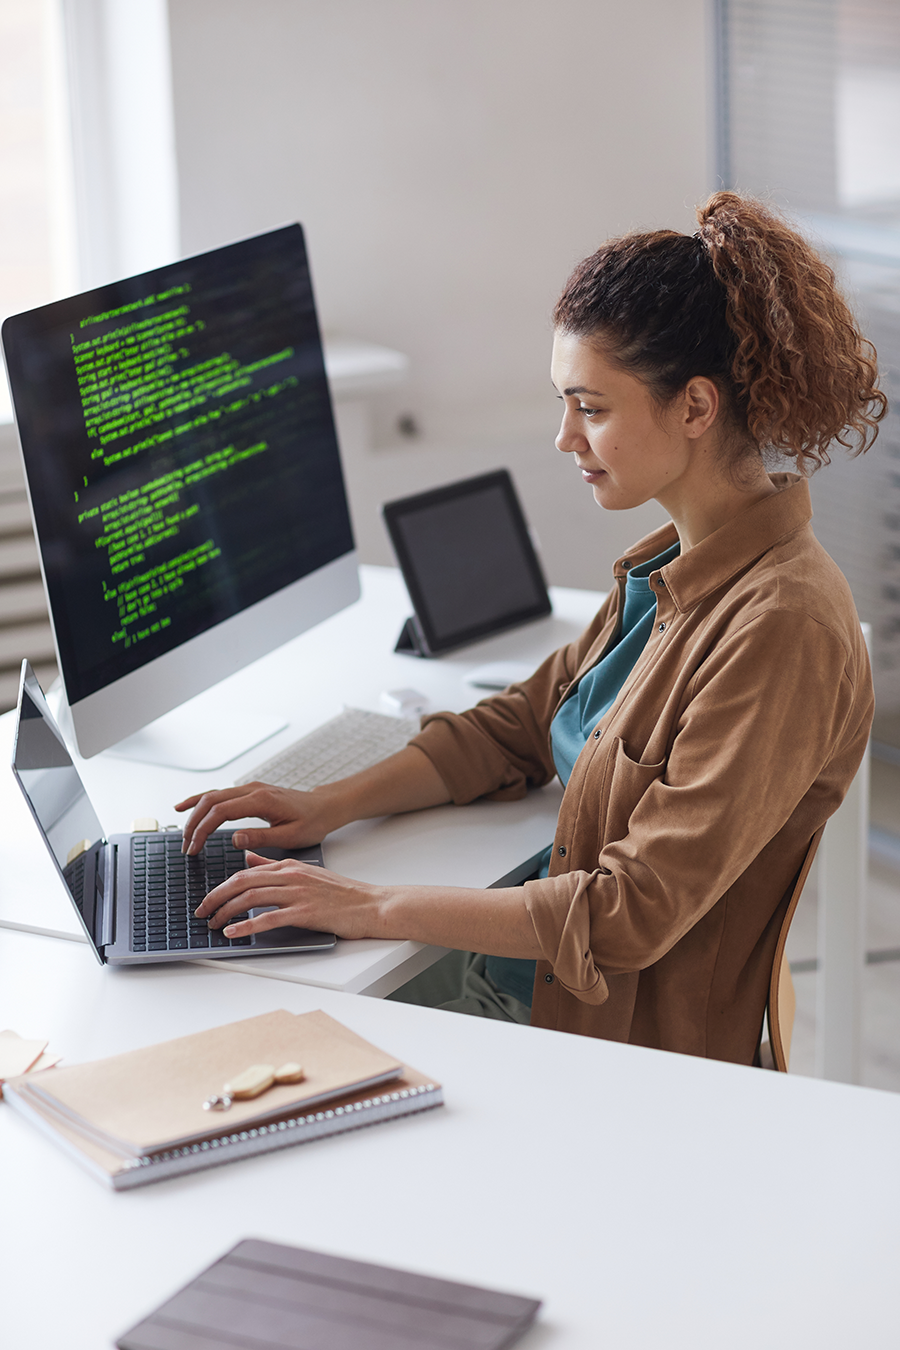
<point>350,742</point>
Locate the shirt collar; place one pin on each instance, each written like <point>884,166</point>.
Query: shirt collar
<point>729,550</point>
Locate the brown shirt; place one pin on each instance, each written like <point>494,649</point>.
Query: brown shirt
<point>689,810</point>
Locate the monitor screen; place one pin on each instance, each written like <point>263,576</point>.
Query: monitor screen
<point>180,451</point>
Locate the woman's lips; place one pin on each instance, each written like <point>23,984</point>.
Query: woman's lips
<point>593,475</point>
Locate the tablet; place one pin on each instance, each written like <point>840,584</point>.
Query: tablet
<point>468,563</point>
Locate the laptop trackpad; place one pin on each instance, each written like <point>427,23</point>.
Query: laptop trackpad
<point>287,937</point>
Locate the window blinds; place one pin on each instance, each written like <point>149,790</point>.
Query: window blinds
<point>809,118</point>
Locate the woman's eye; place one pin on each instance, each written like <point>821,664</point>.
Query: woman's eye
<point>589,412</point>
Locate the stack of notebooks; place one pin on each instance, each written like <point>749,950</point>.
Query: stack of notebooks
<point>140,1117</point>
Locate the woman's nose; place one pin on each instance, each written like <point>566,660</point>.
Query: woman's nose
<point>569,438</point>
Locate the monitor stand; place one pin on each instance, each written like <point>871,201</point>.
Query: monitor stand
<point>180,740</point>
<point>203,734</point>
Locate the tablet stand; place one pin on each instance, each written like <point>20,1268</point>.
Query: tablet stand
<point>410,640</point>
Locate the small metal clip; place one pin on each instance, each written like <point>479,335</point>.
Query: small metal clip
<point>218,1102</point>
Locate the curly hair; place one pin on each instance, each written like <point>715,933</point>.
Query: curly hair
<point>747,302</point>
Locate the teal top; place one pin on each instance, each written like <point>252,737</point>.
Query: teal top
<point>595,694</point>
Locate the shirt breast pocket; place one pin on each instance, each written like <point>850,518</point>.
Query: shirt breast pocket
<point>627,782</point>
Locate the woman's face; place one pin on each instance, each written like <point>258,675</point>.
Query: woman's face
<point>626,449</point>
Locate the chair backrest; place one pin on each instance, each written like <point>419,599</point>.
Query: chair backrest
<point>776,1052</point>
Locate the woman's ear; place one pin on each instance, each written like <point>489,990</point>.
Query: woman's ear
<point>700,407</point>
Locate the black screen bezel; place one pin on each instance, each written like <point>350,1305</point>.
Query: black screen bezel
<point>394,512</point>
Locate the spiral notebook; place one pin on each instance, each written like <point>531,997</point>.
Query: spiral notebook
<point>139,1117</point>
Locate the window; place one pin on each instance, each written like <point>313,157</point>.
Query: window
<point>811,103</point>
<point>36,243</point>
<point>88,192</point>
<point>810,118</point>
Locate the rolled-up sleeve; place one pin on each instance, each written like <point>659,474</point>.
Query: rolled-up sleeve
<point>501,748</point>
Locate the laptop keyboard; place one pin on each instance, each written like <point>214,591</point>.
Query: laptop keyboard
<point>167,886</point>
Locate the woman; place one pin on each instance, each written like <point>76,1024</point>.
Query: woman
<point>712,716</point>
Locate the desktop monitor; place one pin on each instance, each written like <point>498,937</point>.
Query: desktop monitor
<point>184,477</point>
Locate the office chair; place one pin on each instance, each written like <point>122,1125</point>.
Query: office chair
<point>775,1053</point>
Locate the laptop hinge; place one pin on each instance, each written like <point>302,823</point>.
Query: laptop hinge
<point>106,895</point>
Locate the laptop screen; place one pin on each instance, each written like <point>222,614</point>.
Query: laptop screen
<point>54,790</point>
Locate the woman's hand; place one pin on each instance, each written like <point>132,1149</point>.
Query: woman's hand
<point>296,819</point>
<point>407,781</point>
<point>306,896</point>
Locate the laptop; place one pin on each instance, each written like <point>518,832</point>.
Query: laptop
<point>135,894</point>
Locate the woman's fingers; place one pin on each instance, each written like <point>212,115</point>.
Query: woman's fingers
<point>214,809</point>
<point>272,836</point>
<point>257,860</point>
<point>298,894</point>
<point>209,810</point>
<point>295,818</point>
<point>261,923</point>
<point>241,790</point>
<point>281,910</point>
<point>242,890</point>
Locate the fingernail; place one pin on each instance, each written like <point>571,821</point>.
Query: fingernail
<point>230,930</point>
<point>197,911</point>
<point>240,841</point>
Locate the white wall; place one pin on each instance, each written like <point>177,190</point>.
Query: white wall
<point>451,160</point>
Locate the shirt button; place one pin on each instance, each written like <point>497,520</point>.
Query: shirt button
<point>661,582</point>
<point>597,734</point>
<point>561,850</point>
<point>661,628</point>
<point>548,979</point>
<point>625,564</point>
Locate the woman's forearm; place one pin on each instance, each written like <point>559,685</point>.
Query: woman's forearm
<point>496,922</point>
<point>407,781</point>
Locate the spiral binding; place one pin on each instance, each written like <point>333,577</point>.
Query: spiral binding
<point>277,1127</point>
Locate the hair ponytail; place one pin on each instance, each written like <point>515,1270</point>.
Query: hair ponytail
<point>804,374</point>
<point>746,302</point>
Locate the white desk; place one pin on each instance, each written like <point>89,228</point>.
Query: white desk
<point>650,1199</point>
<point>349,659</point>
